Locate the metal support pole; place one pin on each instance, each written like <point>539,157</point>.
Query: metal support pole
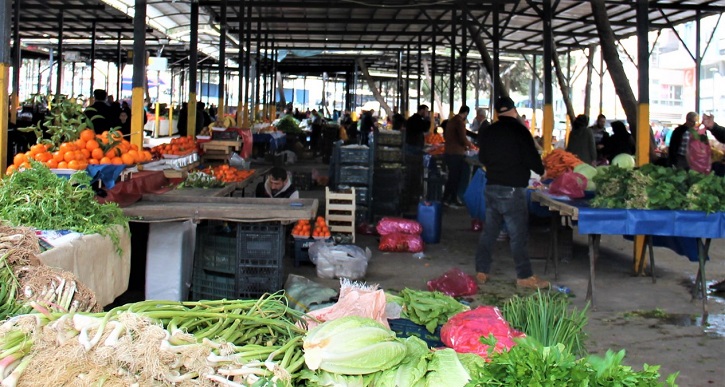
<point>452,75</point>
<point>139,73</point>
<point>698,60</point>
<point>495,74</point>
<point>222,58</point>
<point>59,79</point>
<point>16,61</point>
<point>193,59</point>
<point>119,67</point>
<point>548,125</point>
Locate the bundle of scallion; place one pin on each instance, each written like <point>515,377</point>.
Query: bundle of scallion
<point>233,343</point>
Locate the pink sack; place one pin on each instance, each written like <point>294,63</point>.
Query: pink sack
<point>569,184</point>
<point>247,143</point>
<point>699,152</point>
<point>401,243</point>
<point>464,330</point>
<point>391,225</point>
<point>454,283</point>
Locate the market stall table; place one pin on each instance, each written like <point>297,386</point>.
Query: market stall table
<point>671,223</point>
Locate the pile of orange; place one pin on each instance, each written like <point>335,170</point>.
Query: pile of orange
<point>89,148</point>
<point>179,146</point>
<point>228,174</point>
<point>321,230</point>
<point>301,229</point>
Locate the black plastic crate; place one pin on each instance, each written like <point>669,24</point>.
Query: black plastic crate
<point>216,248</point>
<point>361,195</point>
<point>302,180</point>
<point>406,328</point>
<point>354,175</point>
<point>302,247</point>
<point>225,135</point>
<point>207,286</point>
<point>255,281</point>
<point>260,244</point>
<point>349,155</point>
<point>388,154</point>
<point>387,137</point>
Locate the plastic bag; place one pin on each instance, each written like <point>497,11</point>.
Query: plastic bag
<point>341,261</point>
<point>304,294</point>
<point>569,184</point>
<point>462,331</point>
<point>238,162</point>
<point>356,299</point>
<point>475,196</point>
<point>401,243</point>
<point>454,283</point>
<point>392,225</point>
<point>699,152</point>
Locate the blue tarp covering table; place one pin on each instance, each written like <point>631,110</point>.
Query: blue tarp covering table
<point>275,141</point>
<point>664,223</point>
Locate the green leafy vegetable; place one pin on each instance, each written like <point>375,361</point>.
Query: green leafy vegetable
<point>546,317</point>
<point>444,369</point>
<point>427,308</point>
<point>40,199</point>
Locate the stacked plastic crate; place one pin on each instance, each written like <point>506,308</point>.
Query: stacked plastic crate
<point>237,260</point>
<point>352,166</point>
<point>390,174</point>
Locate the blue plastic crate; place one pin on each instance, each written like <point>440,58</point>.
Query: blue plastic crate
<point>406,328</point>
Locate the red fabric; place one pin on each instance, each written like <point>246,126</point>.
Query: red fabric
<point>401,243</point>
<point>130,191</point>
<point>393,225</point>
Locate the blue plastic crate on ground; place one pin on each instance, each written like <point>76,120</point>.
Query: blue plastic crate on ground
<point>406,328</point>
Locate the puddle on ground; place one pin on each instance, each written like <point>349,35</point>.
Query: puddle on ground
<point>713,324</point>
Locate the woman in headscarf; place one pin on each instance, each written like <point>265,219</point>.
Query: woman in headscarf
<point>581,140</point>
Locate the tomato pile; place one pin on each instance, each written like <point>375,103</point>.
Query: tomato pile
<point>179,146</point>
<point>228,174</point>
<point>301,229</point>
<point>321,229</point>
<point>88,149</point>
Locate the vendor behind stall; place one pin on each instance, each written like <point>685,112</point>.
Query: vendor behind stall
<point>278,184</point>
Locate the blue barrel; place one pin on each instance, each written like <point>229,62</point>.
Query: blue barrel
<point>430,218</point>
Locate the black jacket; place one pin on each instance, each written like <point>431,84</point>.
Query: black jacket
<point>675,142</point>
<point>415,129</point>
<point>103,114</point>
<point>507,150</point>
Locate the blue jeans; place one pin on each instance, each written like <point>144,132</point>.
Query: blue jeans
<point>505,204</point>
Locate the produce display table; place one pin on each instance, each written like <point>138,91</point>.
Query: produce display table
<point>670,223</point>
<point>94,260</point>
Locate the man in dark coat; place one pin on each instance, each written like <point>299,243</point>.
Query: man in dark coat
<point>415,129</point>
<point>100,113</point>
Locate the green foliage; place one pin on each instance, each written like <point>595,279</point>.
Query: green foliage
<point>63,122</point>
<point>547,318</point>
<point>530,363</point>
<point>659,188</point>
<point>40,199</point>
<point>289,125</point>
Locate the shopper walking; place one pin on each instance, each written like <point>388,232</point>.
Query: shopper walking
<point>455,155</point>
<point>507,151</point>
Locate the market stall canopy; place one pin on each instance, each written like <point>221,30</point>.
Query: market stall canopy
<point>378,30</point>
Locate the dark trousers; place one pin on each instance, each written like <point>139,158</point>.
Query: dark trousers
<point>505,204</point>
<point>455,165</point>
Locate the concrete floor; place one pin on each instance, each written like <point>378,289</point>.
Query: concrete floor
<point>656,323</point>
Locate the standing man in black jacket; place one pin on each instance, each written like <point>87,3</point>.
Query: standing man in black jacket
<point>508,152</point>
<point>416,127</point>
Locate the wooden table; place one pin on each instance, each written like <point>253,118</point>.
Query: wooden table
<point>220,149</point>
<point>174,208</point>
